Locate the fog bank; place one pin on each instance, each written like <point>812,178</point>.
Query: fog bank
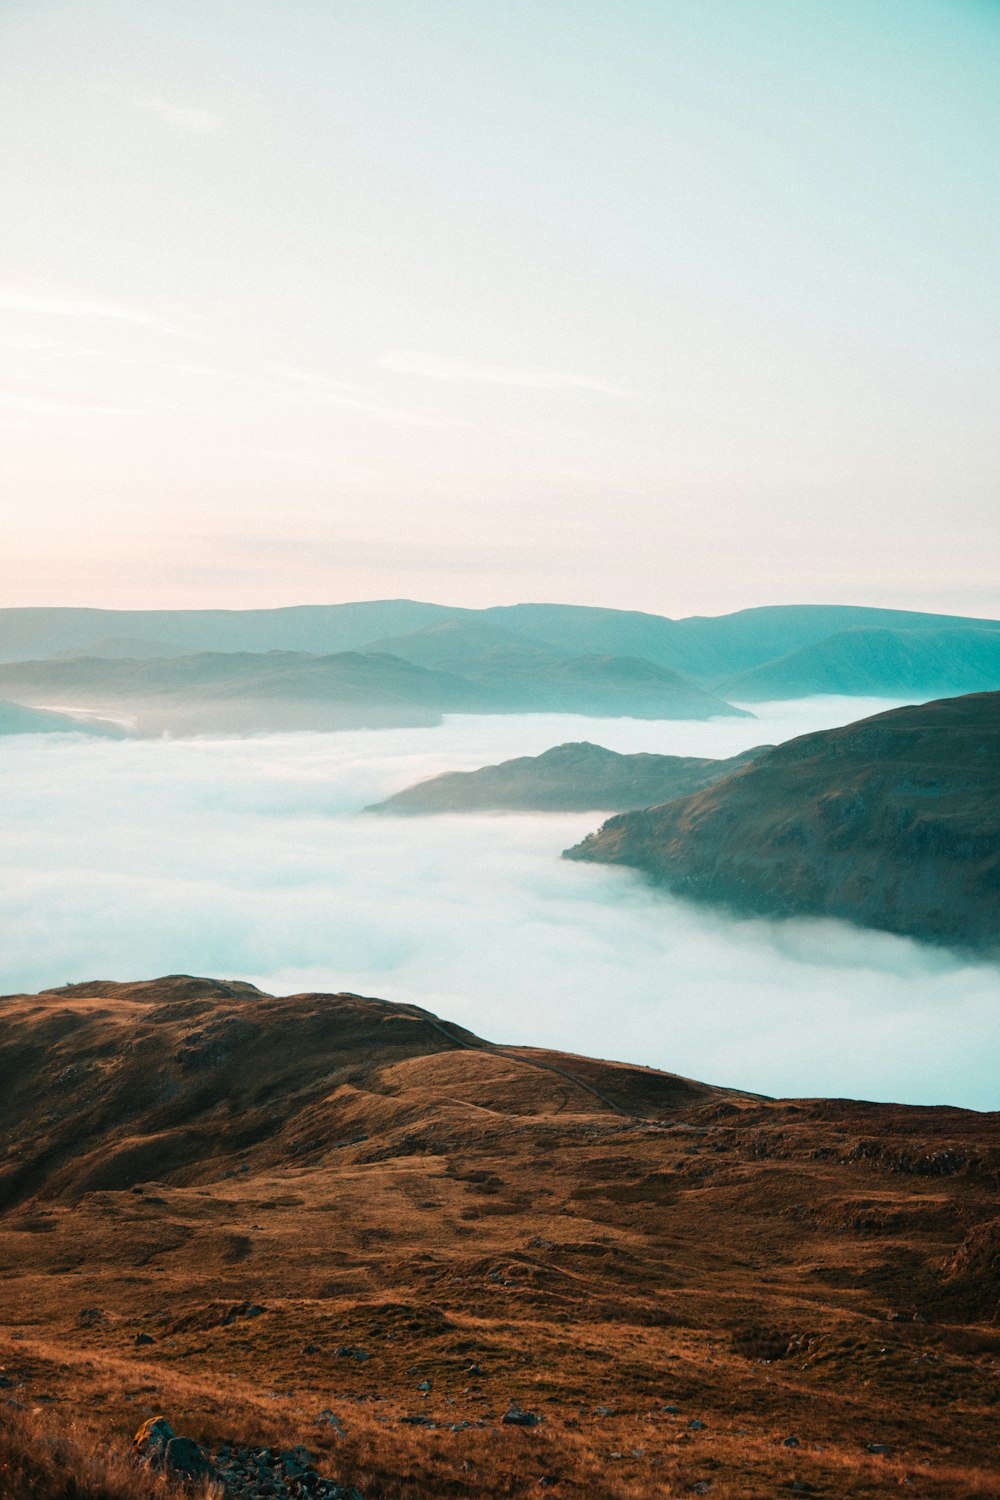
<point>251,859</point>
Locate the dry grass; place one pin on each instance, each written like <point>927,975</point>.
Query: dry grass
<point>44,1458</point>
<point>370,1186</point>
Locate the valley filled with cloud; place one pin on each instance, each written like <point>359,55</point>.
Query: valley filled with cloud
<point>252,858</point>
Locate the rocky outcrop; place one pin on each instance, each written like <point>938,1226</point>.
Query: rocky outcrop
<point>238,1470</point>
<point>892,822</point>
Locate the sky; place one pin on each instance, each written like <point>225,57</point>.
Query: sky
<point>682,306</point>
<point>252,859</point>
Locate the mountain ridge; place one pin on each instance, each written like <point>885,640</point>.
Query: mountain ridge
<point>574,777</point>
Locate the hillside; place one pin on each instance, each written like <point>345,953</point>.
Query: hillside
<point>892,822</point>
<point>254,692</point>
<point>449,1268</point>
<point>16,719</point>
<point>245,692</point>
<point>880,663</point>
<point>568,778</point>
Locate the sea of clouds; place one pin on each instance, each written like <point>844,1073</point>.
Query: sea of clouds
<point>252,858</point>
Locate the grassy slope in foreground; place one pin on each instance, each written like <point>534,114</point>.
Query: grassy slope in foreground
<point>892,822</point>
<point>576,777</point>
<point>326,1202</point>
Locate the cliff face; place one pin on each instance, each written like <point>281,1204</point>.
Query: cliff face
<point>568,778</point>
<point>892,822</point>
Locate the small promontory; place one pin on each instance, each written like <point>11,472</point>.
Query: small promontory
<point>892,822</point>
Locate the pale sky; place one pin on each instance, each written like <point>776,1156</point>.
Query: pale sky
<point>679,305</point>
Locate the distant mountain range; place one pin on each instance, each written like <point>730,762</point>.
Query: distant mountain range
<point>576,777</point>
<point>402,662</point>
<point>892,822</point>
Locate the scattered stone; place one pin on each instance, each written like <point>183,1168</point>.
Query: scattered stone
<point>424,1385</point>
<point>311,1349</point>
<point>515,1417</point>
<point>327,1418</point>
<point>696,1426</point>
<point>673,1411</point>
<point>144,1338</point>
<point>877,1448</point>
<point>604,1411</point>
<point>792,1442</point>
<point>89,1317</point>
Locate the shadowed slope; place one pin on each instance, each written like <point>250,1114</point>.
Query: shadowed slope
<point>892,822</point>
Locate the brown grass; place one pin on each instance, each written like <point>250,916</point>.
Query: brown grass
<point>373,1185</point>
<point>44,1458</point>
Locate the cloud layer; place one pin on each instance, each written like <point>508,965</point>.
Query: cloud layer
<point>251,859</point>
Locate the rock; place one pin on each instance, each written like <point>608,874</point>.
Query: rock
<point>311,1349</point>
<point>424,1385</point>
<point>515,1417</point>
<point>604,1411</point>
<point>695,1425</point>
<point>327,1418</point>
<point>673,1411</point>
<point>144,1338</point>
<point>182,1455</point>
<point>89,1317</point>
<point>791,1442</point>
<point>150,1442</point>
<point>877,1448</point>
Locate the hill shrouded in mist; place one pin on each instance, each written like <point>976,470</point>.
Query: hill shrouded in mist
<point>236,1210</point>
<point>278,691</point>
<point>567,778</point>
<point>892,822</point>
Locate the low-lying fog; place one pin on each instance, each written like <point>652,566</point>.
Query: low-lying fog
<point>250,859</point>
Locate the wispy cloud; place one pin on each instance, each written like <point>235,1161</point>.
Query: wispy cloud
<point>183,117</point>
<point>308,389</point>
<point>51,303</point>
<point>448,367</point>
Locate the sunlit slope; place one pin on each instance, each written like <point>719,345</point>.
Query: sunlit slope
<point>256,1214</point>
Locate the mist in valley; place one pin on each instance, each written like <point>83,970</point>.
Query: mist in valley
<point>253,859</point>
